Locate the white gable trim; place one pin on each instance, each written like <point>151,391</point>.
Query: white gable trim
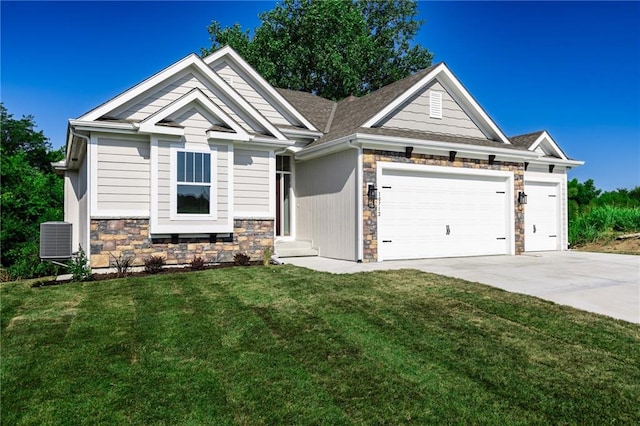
<point>149,125</point>
<point>546,137</point>
<point>228,53</point>
<point>189,61</point>
<point>456,90</point>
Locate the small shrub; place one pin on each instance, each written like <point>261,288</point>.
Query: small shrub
<point>153,264</point>
<point>122,264</point>
<point>28,263</point>
<point>267,257</point>
<point>241,259</point>
<point>79,267</point>
<point>197,263</point>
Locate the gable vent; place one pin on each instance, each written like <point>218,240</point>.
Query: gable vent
<point>55,240</point>
<point>435,104</point>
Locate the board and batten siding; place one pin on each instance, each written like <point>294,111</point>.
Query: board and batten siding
<point>540,173</point>
<point>123,173</point>
<point>251,175</point>
<point>242,84</point>
<point>326,204</point>
<point>415,116</point>
<point>171,91</point>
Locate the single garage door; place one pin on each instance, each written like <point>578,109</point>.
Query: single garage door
<point>541,216</point>
<point>434,214</point>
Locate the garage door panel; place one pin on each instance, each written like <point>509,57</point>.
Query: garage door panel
<point>426,215</point>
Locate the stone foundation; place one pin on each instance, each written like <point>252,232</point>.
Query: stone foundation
<point>370,159</point>
<point>111,238</point>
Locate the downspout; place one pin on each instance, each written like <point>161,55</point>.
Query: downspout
<point>359,204</point>
<point>87,249</point>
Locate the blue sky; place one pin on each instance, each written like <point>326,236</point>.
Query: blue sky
<point>571,68</point>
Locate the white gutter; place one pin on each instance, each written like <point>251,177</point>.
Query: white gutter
<point>325,148</point>
<point>557,161</point>
<point>359,204</point>
<point>300,132</point>
<point>505,153</point>
<point>393,141</point>
<point>101,125</point>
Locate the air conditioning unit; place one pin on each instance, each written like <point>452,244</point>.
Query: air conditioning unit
<point>55,240</point>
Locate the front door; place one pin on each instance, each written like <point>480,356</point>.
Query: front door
<point>283,196</point>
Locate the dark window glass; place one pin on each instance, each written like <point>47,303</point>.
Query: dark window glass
<point>283,163</point>
<point>189,173</point>
<point>193,199</point>
<point>207,168</point>
<point>198,167</point>
<point>181,161</point>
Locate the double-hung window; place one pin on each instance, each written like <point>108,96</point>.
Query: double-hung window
<point>193,181</point>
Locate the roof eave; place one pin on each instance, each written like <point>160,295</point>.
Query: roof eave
<point>505,154</point>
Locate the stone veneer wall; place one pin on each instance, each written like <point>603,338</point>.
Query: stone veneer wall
<point>370,159</point>
<point>130,237</point>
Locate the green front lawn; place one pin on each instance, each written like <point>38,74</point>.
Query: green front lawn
<point>285,345</point>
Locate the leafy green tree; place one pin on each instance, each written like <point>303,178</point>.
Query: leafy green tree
<point>31,194</point>
<point>333,48</point>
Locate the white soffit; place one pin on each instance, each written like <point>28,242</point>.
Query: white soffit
<point>227,53</point>
<point>442,73</point>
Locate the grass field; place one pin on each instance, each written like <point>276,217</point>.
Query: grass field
<point>285,345</point>
<point>603,223</point>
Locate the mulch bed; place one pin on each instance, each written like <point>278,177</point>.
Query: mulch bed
<point>114,275</point>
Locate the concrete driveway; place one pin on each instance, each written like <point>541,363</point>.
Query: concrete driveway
<point>607,284</point>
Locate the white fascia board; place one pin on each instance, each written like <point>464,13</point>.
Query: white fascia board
<point>301,132</point>
<point>232,94</point>
<point>397,142</point>
<point>231,54</point>
<point>546,136</point>
<point>557,162</point>
<point>383,113</point>
<point>148,125</point>
<point>325,148</point>
<point>460,92</point>
<point>102,125</point>
<point>140,88</point>
<point>190,60</point>
<point>445,147</point>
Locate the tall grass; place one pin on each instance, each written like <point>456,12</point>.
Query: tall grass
<point>602,222</point>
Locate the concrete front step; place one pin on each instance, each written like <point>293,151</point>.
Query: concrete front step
<point>295,249</point>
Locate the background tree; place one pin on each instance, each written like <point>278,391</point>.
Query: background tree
<point>333,48</point>
<point>31,194</point>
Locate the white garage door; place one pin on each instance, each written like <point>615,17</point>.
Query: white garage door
<point>541,216</point>
<point>428,214</point>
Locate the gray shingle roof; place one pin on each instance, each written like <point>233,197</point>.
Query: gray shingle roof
<point>526,140</point>
<point>314,108</point>
<point>351,113</point>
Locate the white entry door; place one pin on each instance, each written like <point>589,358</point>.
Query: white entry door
<point>427,215</point>
<point>541,216</point>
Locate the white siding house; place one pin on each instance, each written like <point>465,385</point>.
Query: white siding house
<point>206,159</point>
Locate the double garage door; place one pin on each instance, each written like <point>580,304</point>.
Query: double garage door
<point>425,213</point>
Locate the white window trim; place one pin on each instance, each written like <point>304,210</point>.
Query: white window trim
<point>173,188</point>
